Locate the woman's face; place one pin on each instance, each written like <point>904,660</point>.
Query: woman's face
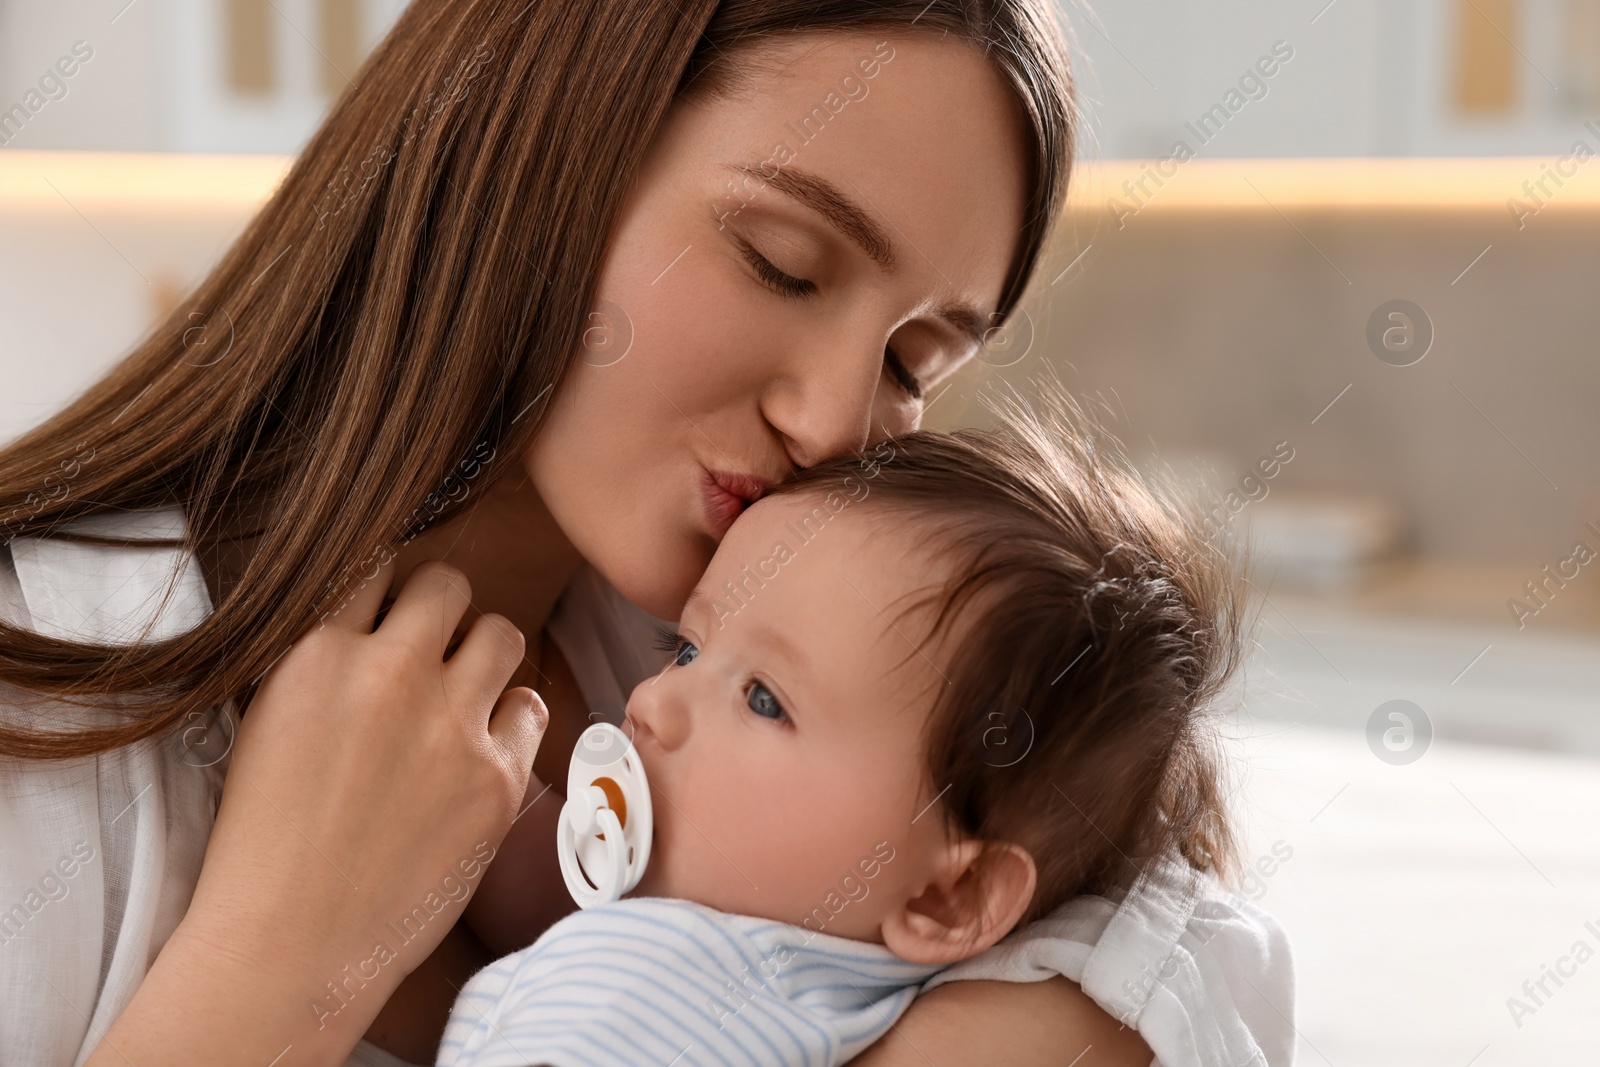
<point>802,261</point>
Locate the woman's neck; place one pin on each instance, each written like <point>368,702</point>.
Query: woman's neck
<point>514,554</point>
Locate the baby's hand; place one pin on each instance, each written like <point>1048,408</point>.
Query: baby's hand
<point>522,893</point>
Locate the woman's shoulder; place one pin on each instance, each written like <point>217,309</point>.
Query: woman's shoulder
<point>102,852</point>
<point>109,594</point>
<point>13,604</point>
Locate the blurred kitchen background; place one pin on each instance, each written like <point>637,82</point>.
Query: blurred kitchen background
<point>1334,263</point>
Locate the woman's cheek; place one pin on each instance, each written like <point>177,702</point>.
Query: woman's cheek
<point>704,322</point>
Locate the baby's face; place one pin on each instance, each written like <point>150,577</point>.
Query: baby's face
<point>784,742</point>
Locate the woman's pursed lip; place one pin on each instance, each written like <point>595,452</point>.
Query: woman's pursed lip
<point>744,486</point>
<point>725,496</point>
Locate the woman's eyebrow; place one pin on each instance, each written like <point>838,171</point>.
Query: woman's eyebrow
<point>842,213</point>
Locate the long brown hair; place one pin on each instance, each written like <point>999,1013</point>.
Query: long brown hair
<point>1095,624</point>
<point>402,310</point>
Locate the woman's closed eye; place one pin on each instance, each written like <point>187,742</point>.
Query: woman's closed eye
<point>760,700</point>
<point>902,377</point>
<point>785,284</point>
<point>780,282</point>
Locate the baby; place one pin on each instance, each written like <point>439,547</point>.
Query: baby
<point>921,695</point>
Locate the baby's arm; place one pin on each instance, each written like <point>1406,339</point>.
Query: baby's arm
<point>1020,1024</point>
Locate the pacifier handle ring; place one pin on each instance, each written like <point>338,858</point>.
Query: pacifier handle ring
<point>615,876</point>
<point>644,814</point>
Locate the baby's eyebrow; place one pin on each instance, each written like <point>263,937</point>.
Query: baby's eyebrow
<point>781,645</point>
<point>695,597</point>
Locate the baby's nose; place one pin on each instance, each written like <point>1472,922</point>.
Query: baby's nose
<point>659,715</point>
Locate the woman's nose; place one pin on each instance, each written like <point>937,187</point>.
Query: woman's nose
<point>825,406</point>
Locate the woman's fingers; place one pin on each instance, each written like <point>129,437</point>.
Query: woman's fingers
<point>359,606</point>
<point>517,726</point>
<point>489,654</point>
<point>430,606</point>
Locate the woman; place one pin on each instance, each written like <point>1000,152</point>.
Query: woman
<point>553,294</point>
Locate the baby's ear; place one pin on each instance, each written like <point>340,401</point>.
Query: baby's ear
<point>975,895</point>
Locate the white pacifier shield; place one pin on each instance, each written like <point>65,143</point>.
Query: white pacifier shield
<point>603,835</point>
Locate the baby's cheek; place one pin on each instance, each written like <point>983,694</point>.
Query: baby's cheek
<point>746,851</point>
<point>779,838</point>
<point>690,857</point>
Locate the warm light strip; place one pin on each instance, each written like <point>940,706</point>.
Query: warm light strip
<point>170,180</point>
<point>1399,183</point>
<point>161,181</point>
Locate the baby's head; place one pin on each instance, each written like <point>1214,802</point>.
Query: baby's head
<point>931,691</point>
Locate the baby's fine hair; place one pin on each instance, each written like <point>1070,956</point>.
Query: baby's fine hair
<point>1098,623</point>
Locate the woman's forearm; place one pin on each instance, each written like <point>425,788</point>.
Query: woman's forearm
<point>210,1000</point>
<point>1020,1024</point>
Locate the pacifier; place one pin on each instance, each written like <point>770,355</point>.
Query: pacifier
<point>603,835</point>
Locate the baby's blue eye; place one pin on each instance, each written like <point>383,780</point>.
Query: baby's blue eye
<point>763,703</point>
<point>686,653</point>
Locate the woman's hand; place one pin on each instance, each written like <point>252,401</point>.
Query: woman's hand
<point>371,780</point>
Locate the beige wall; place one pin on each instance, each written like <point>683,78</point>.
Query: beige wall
<point>1222,324</point>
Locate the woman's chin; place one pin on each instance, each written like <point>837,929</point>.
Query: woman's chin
<point>660,582</point>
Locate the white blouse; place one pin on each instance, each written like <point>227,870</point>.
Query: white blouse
<point>99,856</point>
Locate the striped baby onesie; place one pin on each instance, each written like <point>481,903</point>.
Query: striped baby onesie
<point>653,981</point>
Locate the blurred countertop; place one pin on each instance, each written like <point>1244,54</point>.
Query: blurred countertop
<point>1474,592</point>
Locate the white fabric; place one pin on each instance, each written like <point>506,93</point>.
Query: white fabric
<point>366,1054</point>
<point>1204,976</point>
<point>98,856</point>
<point>651,980</point>
<point>142,814</point>
<point>608,643</point>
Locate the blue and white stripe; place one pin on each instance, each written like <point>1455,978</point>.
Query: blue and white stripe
<point>652,981</point>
